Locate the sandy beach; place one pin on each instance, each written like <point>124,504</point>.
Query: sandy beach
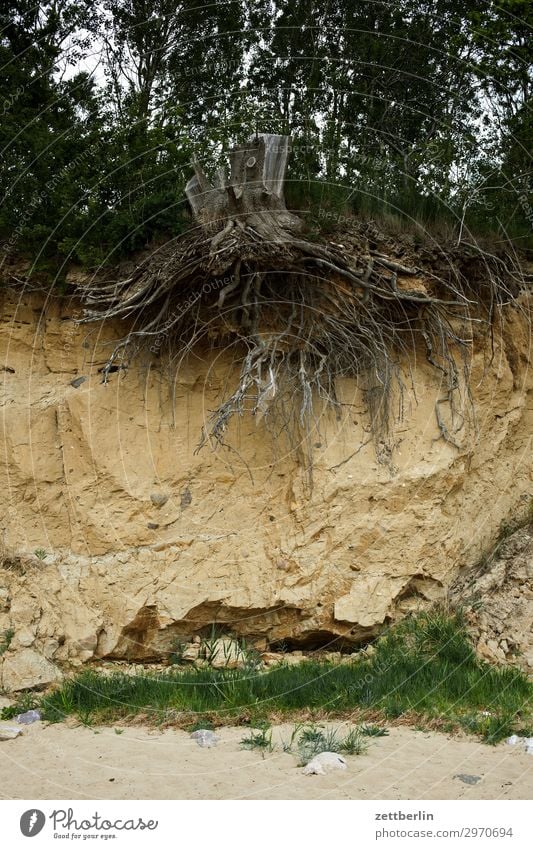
<point>61,762</point>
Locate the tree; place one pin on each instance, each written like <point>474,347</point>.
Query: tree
<point>421,108</point>
<point>48,123</point>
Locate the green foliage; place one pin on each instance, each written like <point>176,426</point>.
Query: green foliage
<point>5,640</point>
<point>383,120</point>
<point>491,728</point>
<point>433,636</point>
<point>314,740</point>
<point>424,666</point>
<point>373,731</point>
<point>307,741</point>
<point>261,739</point>
<point>24,702</point>
<point>176,655</point>
<point>353,743</point>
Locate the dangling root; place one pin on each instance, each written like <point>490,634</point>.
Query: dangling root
<point>304,313</point>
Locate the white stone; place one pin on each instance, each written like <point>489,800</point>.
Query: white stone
<point>9,733</point>
<point>205,738</point>
<point>323,763</point>
<point>225,654</point>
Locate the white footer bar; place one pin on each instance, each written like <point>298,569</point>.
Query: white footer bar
<point>267,824</point>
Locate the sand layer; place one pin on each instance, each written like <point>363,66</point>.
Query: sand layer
<point>60,762</point>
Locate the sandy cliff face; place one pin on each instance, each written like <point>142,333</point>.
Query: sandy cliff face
<point>147,541</point>
<point>497,598</point>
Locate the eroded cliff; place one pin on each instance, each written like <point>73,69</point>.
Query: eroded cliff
<point>141,540</point>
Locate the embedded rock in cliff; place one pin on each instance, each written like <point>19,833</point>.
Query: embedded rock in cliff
<point>238,539</point>
<point>27,669</point>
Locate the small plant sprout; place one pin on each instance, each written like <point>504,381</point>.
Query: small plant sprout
<point>313,740</point>
<point>5,640</point>
<point>40,553</point>
<point>261,739</point>
<point>373,731</point>
<point>210,645</point>
<point>287,746</point>
<point>353,743</point>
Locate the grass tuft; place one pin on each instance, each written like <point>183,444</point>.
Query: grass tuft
<point>425,666</point>
<point>353,743</point>
<point>261,739</point>
<point>313,741</point>
<point>373,731</point>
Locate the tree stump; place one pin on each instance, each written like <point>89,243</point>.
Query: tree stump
<point>252,197</point>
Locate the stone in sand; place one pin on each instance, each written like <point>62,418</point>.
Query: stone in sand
<point>28,717</point>
<point>468,779</point>
<point>323,763</point>
<point>205,738</point>
<point>10,733</point>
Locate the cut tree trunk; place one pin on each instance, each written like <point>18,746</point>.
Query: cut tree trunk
<point>252,197</point>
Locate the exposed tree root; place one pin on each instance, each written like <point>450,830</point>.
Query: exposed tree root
<point>305,313</point>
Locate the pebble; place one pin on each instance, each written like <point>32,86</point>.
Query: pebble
<point>8,733</point>
<point>468,779</point>
<point>28,717</point>
<point>77,381</point>
<point>205,738</point>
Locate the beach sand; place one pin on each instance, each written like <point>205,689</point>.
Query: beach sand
<point>62,762</point>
